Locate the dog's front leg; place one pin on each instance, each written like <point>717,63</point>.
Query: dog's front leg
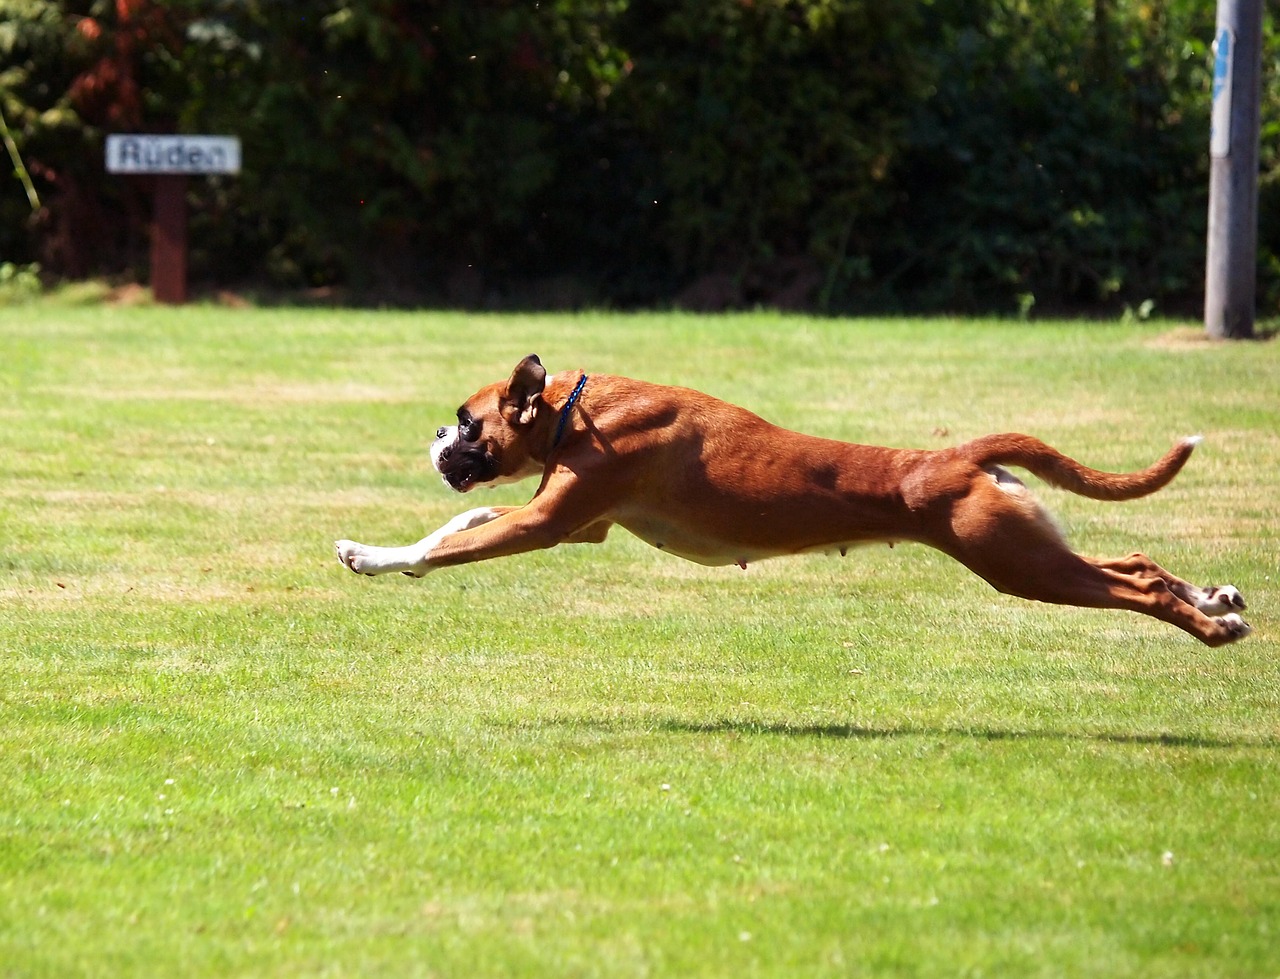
<point>410,559</point>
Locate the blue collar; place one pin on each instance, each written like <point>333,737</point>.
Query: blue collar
<point>568,407</point>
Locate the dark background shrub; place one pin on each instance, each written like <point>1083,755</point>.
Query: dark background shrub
<point>839,155</point>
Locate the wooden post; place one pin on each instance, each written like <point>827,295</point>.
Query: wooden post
<point>1232,248</point>
<point>169,239</point>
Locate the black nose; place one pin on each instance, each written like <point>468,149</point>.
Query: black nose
<point>441,432</point>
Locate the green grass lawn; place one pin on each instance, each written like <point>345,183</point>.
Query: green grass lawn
<point>222,754</point>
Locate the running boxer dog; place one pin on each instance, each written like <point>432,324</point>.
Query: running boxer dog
<point>713,483</point>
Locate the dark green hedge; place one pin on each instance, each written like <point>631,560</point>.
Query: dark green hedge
<point>842,155</point>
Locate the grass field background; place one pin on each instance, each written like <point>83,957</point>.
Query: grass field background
<point>222,754</point>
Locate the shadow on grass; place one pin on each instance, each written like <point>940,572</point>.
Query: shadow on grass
<point>858,732</point>
<point>855,732</point>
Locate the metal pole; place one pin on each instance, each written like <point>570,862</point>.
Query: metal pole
<point>1232,249</point>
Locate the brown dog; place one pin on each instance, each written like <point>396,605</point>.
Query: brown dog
<point>713,483</point>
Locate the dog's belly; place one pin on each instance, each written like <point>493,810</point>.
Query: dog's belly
<point>683,541</point>
<point>713,551</point>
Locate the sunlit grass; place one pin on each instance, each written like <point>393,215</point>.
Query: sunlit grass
<point>221,754</point>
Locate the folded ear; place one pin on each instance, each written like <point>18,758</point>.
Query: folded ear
<point>524,389</point>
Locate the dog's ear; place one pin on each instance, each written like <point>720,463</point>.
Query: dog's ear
<point>524,390</point>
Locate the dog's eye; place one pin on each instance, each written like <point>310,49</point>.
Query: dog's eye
<point>468,426</point>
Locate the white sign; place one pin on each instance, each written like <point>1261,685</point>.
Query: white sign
<point>140,153</point>
<point>1220,119</point>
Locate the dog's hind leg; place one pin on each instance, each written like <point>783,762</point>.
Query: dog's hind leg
<point>1214,600</point>
<point>1002,535</point>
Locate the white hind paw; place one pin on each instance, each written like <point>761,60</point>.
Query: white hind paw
<point>1237,628</point>
<point>1221,601</point>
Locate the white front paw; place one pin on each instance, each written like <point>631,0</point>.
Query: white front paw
<point>352,555</point>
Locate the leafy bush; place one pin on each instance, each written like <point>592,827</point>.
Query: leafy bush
<point>770,127</point>
<point>1061,155</point>
<point>18,283</point>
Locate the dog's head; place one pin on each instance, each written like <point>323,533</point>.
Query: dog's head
<point>493,442</point>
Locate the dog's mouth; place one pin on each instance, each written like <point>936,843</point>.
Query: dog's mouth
<point>464,466</point>
<point>460,481</point>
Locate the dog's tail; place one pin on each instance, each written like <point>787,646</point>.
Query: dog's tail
<point>1054,468</point>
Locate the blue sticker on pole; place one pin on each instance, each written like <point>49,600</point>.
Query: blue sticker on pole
<point>1220,120</point>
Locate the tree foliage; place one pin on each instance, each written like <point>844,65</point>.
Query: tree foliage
<point>837,154</point>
